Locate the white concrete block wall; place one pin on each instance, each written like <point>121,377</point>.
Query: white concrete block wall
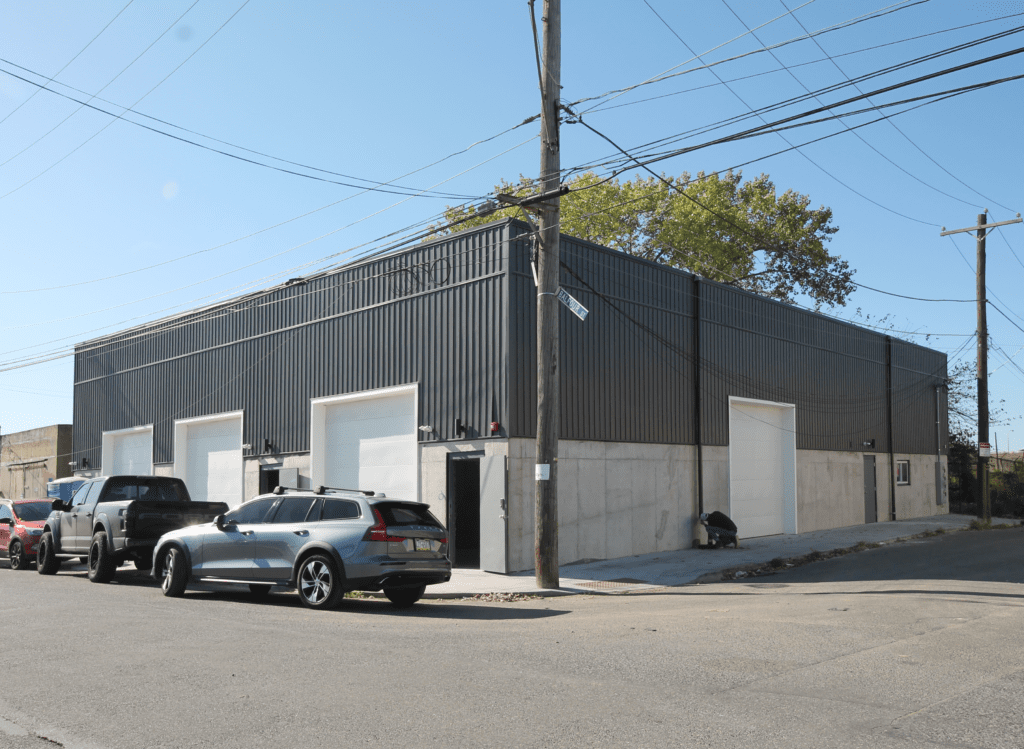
<point>614,500</point>
<point>434,469</point>
<point>830,489</point>
<point>251,477</point>
<point>918,499</point>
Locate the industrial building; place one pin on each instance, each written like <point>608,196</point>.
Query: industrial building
<point>29,460</point>
<point>414,374</point>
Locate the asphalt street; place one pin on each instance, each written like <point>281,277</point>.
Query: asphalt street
<point>852,661</point>
<point>991,556</point>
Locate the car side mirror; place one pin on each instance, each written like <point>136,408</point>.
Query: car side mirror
<point>58,505</point>
<point>6,521</point>
<point>219,522</point>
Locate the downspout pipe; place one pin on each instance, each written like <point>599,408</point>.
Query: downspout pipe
<point>888,418</point>
<point>697,404</point>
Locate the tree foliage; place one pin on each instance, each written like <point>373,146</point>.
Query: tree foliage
<point>741,233</point>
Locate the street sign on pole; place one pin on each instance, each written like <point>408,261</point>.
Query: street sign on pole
<point>575,307</point>
<point>984,450</point>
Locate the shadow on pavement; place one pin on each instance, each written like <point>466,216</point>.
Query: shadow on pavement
<point>368,606</point>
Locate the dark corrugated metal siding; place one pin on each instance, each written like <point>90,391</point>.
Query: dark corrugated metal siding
<point>458,317</point>
<point>433,315</point>
<point>616,383</point>
<point>626,372</point>
<point>833,372</point>
<point>916,372</point>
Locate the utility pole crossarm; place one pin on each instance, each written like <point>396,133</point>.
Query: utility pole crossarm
<point>945,233</point>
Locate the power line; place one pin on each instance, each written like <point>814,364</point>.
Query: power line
<point>77,55</point>
<point>898,130</point>
<point>773,245</point>
<point>290,220</point>
<point>375,185</point>
<point>647,148</point>
<point>105,86</point>
<point>666,75</point>
<point>787,141</point>
<point>827,58</point>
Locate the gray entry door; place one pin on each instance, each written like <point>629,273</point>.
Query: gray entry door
<point>870,490</point>
<point>493,515</point>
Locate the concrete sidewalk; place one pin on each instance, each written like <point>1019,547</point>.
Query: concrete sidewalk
<point>668,568</point>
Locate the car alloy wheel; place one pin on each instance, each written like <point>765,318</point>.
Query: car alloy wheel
<point>169,561</point>
<point>174,573</point>
<point>316,582</point>
<point>17,556</point>
<point>319,583</point>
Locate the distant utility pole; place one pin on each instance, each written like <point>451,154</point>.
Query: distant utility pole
<point>982,498</point>
<point>548,410</point>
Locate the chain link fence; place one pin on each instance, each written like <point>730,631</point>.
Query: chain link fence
<point>1006,487</point>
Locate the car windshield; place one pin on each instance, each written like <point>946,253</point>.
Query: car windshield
<point>31,511</point>
<point>403,513</point>
<point>145,490</point>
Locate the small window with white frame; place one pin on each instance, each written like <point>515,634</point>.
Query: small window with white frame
<point>902,472</point>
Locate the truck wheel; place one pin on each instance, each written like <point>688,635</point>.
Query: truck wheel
<point>16,556</point>
<point>46,561</point>
<point>175,576</point>
<point>101,561</point>
<point>319,583</point>
<point>403,598</point>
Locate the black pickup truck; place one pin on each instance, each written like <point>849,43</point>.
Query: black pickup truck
<point>115,518</point>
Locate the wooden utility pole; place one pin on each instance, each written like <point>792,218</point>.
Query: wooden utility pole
<point>982,499</point>
<point>548,410</point>
<point>984,506</point>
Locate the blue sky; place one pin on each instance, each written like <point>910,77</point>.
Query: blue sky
<point>380,90</point>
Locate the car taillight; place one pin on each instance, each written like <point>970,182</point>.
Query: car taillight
<point>379,531</point>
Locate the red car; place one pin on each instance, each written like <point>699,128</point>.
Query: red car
<point>21,525</point>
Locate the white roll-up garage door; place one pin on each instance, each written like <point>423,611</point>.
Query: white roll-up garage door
<point>208,457</point>
<point>128,452</point>
<point>762,467</point>
<point>368,442</point>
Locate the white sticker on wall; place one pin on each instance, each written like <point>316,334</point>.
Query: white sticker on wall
<point>543,472</point>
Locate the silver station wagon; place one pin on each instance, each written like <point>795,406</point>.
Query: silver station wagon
<point>322,543</point>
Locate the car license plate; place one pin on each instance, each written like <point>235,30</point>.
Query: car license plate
<point>422,544</point>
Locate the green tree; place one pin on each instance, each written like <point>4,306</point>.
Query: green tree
<point>741,233</point>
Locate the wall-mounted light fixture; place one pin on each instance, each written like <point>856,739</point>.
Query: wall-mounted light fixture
<point>267,446</point>
<point>85,462</point>
<point>460,428</point>
<point>247,446</point>
<point>495,427</point>
<point>868,443</point>
<point>426,428</point>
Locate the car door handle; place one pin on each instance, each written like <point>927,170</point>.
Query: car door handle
<point>88,514</point>
<point>247,533</point>
<point>301,533</point>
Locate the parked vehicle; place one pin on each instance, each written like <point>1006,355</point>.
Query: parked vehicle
<point>64,488</point>
<point>21,527</point>
<point>111,519</point>
<point>323,543</point>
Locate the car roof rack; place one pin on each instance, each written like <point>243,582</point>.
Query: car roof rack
<point>279,490</point>
<point>325,489</point>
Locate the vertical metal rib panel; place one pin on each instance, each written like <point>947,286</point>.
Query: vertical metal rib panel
<point>624,371</point>
<point>833,372</point>
<point>432,315</point>
<point>458,317</point>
